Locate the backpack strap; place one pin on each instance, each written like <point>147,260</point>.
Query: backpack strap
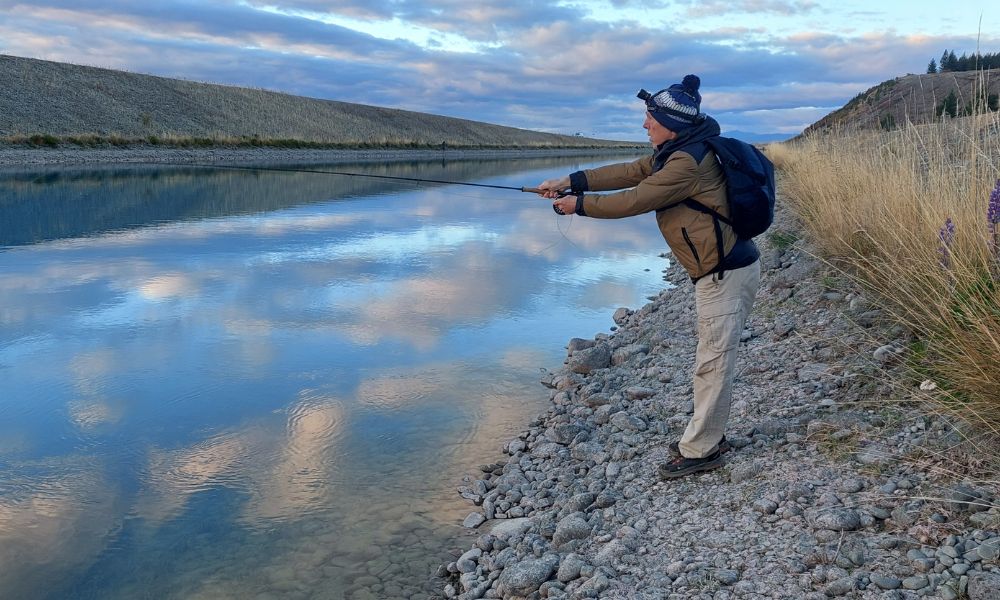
<point>716,217</point>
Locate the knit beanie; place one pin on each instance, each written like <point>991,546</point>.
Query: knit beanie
<point>678,106</point>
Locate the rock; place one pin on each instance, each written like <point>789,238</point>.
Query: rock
<point>840,587</point>
<point>548,450</point>
<point>569,568</point>
<point>765,506</point>
<point>852,485</point>
<point>989,550</point>
<point>985,520</point>
<point>467,562</point>
<point>590,359</point>
<point>516,446</point>
<point>836,519</point>
<point>525,577</point>
<point>983,586</point>
<point>626,353</point>
<point>573,527</point>
<point>611,552</point>
<point>627,422</point>
<point>884,582</point>
<point>621,315</point>
<point>577,344</point>
<point>917,582</point>
<point>507,528</point>
<point>727,576</point>
<point>873,454</point>
<point>887,353</point>
<point>563,433</point>
<point>744,472</point>
<point>869,318</point>
<point>607,499</point>
<point>595,400</point>
<point>474,520</point>
<point>812,372</point>
<point>966,498</point>
<point>590,451</point>
<point>777,428</point>
<point>638,392</point>
<point>783,327</point>
<point>593,587</point>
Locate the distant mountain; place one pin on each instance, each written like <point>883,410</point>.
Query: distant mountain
<point>758,138</point>
<point>915,99</point>
<point>70,101</point>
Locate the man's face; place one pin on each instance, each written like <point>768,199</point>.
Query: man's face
<point>658,134</point>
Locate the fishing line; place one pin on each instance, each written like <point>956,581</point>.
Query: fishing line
<point>349,174</point>
<point>389,177</point>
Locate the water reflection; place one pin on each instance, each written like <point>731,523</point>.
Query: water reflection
<point>278,396</point>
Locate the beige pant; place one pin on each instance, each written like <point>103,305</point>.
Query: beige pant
<point>722,306</point>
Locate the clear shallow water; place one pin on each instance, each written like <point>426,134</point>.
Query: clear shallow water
<point>219,383</point>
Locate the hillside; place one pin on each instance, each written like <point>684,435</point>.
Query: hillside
<point>913,98</point>
<point>71,101</point>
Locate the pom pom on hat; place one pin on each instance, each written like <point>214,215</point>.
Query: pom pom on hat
<point>678,106</point>
<point>691,83</point>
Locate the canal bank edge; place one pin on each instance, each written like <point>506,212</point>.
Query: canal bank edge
<point>15,156</point>
<point>838,484</point>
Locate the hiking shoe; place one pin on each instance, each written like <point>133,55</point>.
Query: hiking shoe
<point>681,466</point>
<point>675,447</point>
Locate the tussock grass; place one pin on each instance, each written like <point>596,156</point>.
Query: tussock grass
<point>876,203</point>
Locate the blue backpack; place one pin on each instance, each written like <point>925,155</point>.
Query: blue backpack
<point>749,187</point>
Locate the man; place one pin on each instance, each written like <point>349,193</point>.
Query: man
<point>679,181</point>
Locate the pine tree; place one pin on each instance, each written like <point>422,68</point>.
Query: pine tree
<point>948,106</point>
<point>952,61</point>
<point>932,66</point>
<point>944,61</point>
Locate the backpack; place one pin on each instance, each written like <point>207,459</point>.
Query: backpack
<point>749,187</point>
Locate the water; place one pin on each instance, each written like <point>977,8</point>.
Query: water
<point>219,383</point>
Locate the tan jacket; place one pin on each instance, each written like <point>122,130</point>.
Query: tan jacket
<point>689,233</point>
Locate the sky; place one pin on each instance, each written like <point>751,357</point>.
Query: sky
<point>574,66</point>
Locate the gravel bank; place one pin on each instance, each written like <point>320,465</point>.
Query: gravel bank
<point>836,486</point>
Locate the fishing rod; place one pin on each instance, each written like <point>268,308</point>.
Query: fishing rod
<point>345,173</point>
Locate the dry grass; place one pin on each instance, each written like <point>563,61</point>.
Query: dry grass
<point>876,204</point>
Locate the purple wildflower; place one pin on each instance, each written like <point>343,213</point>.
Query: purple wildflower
<point>993,218</point>
<point>993,213</point>
<point>946,236</point>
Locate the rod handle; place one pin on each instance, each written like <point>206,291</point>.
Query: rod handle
<point>532,190</point>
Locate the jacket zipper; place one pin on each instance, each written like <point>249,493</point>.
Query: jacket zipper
<point>687,239</point>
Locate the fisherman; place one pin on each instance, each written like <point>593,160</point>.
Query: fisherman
<point>725,270</point>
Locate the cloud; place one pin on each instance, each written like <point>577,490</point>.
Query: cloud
<point>551,67</point>
<point>699,8</point>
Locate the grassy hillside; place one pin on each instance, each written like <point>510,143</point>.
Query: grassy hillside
<point>57,102</point>
<point>913,99</point>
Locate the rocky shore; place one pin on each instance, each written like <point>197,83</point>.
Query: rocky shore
<point>838,484</point>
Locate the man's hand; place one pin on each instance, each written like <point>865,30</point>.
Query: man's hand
<point>564,205</point>
<point>554,188</point>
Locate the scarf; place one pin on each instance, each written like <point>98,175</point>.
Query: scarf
<point>707,128</point>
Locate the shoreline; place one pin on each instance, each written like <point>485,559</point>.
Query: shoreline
<point>838,484</point>
<point>19,157</point>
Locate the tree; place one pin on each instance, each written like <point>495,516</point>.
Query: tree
<point>948,106</point>
<point>944,61</point>
<point>932,66</point>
